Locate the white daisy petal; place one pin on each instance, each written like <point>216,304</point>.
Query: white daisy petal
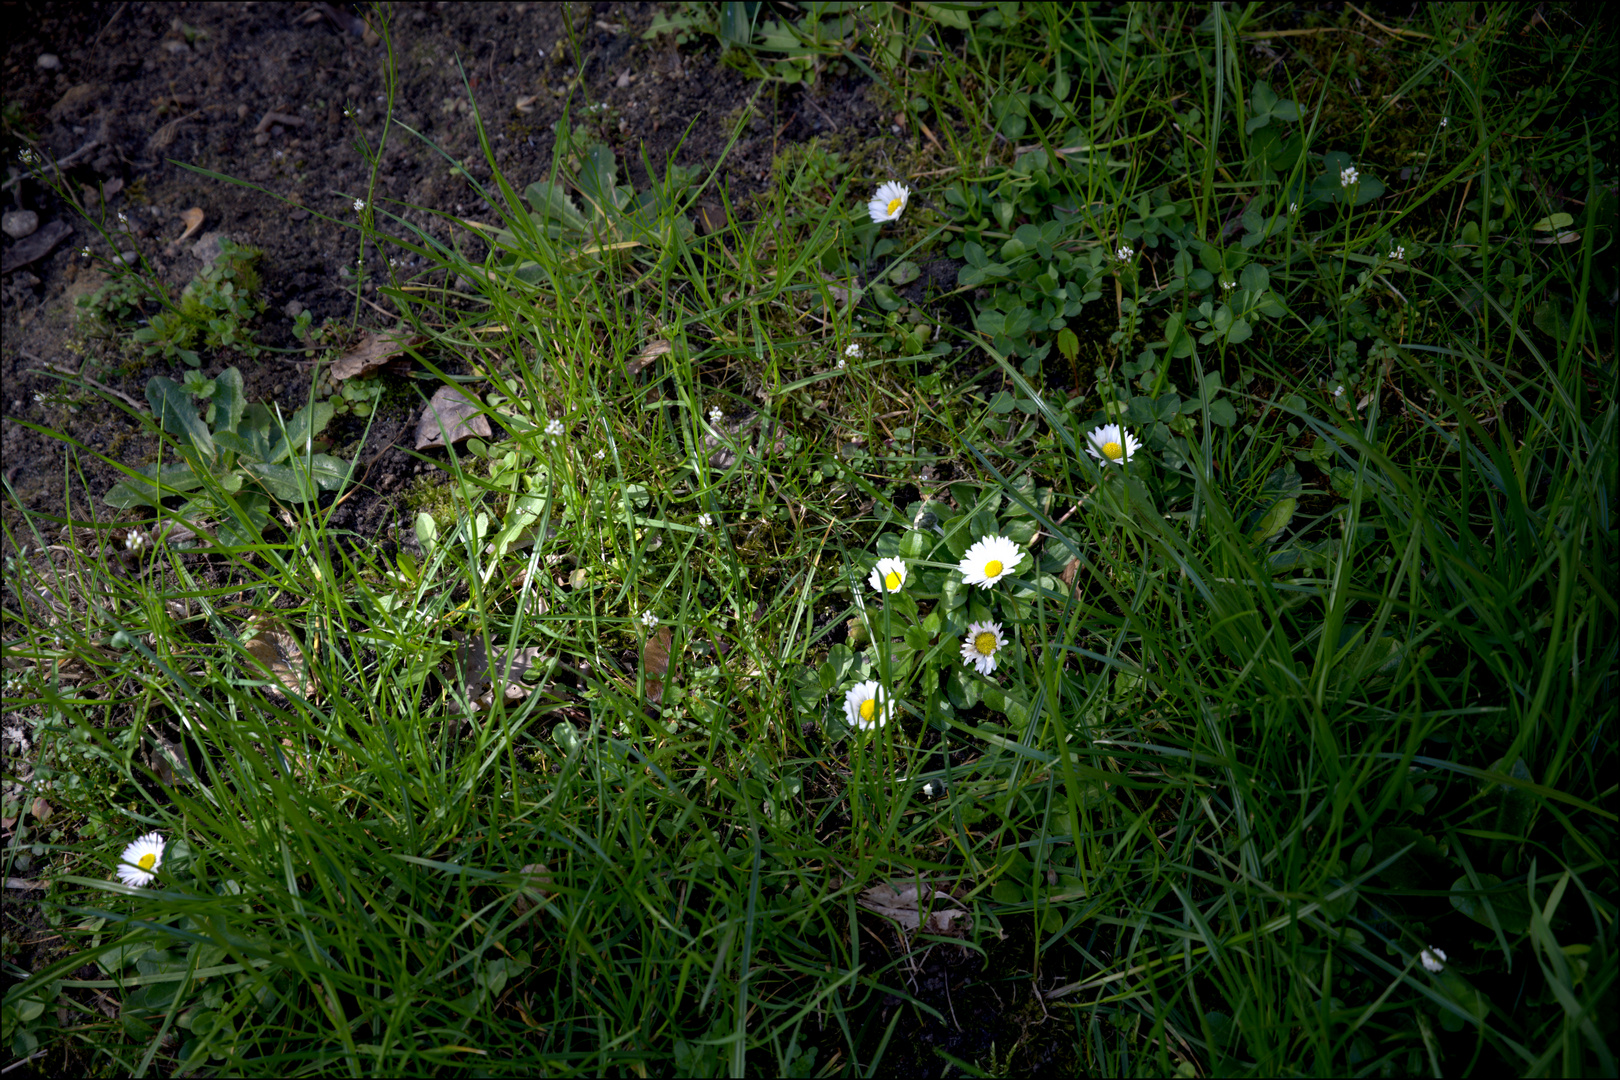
<point>1434,959</point>
<point>889,575</point>
<point>867,706</point>
<point>989,560</point>
<point>141,859</point>
<point>981,646</point>
<point>1111,444</point>
<point>889,202</point>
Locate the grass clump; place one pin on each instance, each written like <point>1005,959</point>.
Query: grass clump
<point>1210,623</point>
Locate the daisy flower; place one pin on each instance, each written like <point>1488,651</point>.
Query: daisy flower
<point>889,201</point>
<point>140,861</point>
<point>889,575</point>
<point>554,428</point>
<point>1111,443</point>
<point>867,705</point>
<point>988,561</point>
<point>1348,177</point>
<point>981,645</point>
<point>1434,959</point>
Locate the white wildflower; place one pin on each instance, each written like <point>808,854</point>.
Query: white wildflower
<point>1434,959</point>
<point>889,202</point>
<point>1348,177</point>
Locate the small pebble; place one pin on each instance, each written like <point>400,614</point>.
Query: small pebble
<point>48,61</point>
<point>19,223</point>
<point>262,139</point>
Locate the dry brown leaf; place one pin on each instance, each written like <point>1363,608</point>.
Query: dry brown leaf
<point>525,105</point>
<point>482,676</point>
<point>451,416</point>
<point>41,810</point>
<point>655,348</point>
<point>280,654</point>
<point>193,219</point>
<point>372,352</point>
<point>917,906</point>
<point>655,659</point>
<point>537,888</point>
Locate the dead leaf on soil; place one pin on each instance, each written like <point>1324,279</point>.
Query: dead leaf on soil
<point>451,416</point>
<point>655,659</point>
<point>537,888</point>
<point>194,219</point>
<point>481,676</point>
<point>279,654</point>
<point>42,811</point>
<point>655,348</point>
<point>372,352</point>
<point>917,906</point>
<point>525,105</point>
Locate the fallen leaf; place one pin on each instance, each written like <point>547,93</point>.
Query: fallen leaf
<point>35,247</point>
<point>279,653</point>
<point>655,348</point>
<point>41,810</point>
<point>483,677</point>
<point>371,352</point>
<point>537,888</point>
<point>451,416</point>
<point>917,906</point>
<point>655,659</point>
<point>525,105</point>
<point>194,219</point>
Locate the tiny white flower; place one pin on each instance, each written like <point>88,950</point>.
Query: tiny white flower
<point>1338,391</point>
<point>1398,252</point>
<point>600,454</point>
<point>867,706</point>
<point>141,859</point>
<point>716,414</point>
<point>842,363</point>
<point>1348,176</point>
<point>989,560</point>
<point>85,251</point>
<point>981,645</point>
<point>1111,444</point>
<point>648,619</point>
<point>1124,253</point>
<point>706,520</point>
<point>889,575</point>
<point>852,350</point>
<point>889,201</point>
<point>1293,208</point>
<point>134,540</point>
<point>1228,284</point>
<point>359,204</point>
<point>1434,959</point>
<point>1445,121</point>
<point>122,219</point>
<point>928,789</point>
<point>554,428</point>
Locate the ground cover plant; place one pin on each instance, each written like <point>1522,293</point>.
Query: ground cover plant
<point>1124,586</point>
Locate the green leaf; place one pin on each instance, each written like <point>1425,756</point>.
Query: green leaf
<point>158,483</point>
<point>178,415</point>
<point>1275,519</point>
<point>1007,891</point>
<point>1511,906</point>
<point>905,273</point>
<point>228,400</point>
<point>1221,413</point>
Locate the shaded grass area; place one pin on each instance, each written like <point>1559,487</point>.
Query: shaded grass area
<point>1312,688</point>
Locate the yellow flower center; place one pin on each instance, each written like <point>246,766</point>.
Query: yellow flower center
<point>895,205</point>
<point>892,581</point>
<point>985,643</point>
<point>868,707</point>
<point>1113,450</point>
<point>992,568</point>
<point>147,861</point>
